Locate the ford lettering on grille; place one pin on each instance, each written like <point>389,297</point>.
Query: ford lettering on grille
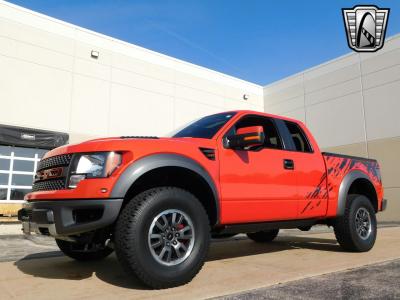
<point>49,174</point>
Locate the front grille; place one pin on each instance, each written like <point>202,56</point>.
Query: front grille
<point>55,161</point>
<point>29,214</point>
<point>49,185</point>
<point>52,184</point>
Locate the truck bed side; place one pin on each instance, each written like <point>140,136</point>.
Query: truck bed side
<point>338,166</point>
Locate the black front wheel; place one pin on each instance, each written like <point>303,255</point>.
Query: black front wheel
<point>84,252</point>
<point>162,237</point>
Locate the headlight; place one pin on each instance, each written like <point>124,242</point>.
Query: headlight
<point>93,165</point>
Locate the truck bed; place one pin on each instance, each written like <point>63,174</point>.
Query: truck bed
<point>339,165</point>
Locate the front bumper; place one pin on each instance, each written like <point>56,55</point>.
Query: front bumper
<point>68,217</point>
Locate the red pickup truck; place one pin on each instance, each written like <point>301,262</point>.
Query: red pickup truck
<point>157,201</point>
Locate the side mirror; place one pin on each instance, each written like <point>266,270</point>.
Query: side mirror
<point>246,137</point>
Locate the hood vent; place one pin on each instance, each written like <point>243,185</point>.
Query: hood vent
<point>138,137</point>
<point>208,152</point>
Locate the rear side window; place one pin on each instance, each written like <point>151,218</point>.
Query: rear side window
<point>299,138</point>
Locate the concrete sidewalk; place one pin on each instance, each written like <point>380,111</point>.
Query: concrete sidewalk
<point>10,228</point>
<point>233,266</point>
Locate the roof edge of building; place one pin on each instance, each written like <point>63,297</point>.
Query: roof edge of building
<point>163,59</point>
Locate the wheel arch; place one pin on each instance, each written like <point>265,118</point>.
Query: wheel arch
<point>169,169</point>
<point>356,182</point>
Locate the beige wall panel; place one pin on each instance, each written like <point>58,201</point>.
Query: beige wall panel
<point>392,43</point>
<point>160,72</point>
<point>382,107</point>
<point>199,83</point>
<point>137,112</point>
<point>257,100</point>
<point>27,90</point>
<point>380,61</point>
<point>230,104</point>
<point>236,94</point>
<point>188,111</point>
<point>387,151</point>
<point>283,84</point>
<point>298,114</point>
<point>142,67</point>
<point>199,96</point>
<point>331,66</point>
<point>93,38</point>
<point>337,122</point>
<point>381,77</point>
<point>284,106</point>
<point>142,82</point>
<point>392,212</point>
<point>137,52</point>
<point>84,51</point>
<point>78,137</point>
<point>92,68</point>
<point>284,95</point>
<point>359,149</point>
<point>335,77</point>
<point>8,46</point>
<point>35,36</point>
<point>44,57</point>
<point>257,108</point>
<point>90,105</point>
<point>332,92</point>
<point>124,62</point>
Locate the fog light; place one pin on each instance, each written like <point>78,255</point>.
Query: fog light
<point>74,180</point>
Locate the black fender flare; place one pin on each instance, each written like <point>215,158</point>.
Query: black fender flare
<point>148,163</point>
<point>344,188</point>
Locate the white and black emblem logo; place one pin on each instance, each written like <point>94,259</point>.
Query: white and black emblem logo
<point>365,27</point>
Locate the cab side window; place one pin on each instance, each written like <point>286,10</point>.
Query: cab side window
<point>299,138</point>
<point>272,138</point>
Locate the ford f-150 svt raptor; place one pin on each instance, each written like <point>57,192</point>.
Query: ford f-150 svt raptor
<point>157,201</point>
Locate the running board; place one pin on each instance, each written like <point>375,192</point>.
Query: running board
<point>254,227</point>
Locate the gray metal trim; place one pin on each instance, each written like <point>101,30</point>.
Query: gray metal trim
<point>344,189</point>
<point>148,163</point>
<point>44,213</point>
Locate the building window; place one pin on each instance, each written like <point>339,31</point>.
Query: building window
<point>17,170</point>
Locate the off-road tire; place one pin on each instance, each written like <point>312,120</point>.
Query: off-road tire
<point>78,252</point>
<point>132,230</point>
<point>264,236</point>
<point>345,226</point>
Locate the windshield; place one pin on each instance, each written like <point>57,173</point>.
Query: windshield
<point>205,127</point>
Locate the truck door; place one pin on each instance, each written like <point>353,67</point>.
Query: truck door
<point>255,183</point>
<point>309,169</point>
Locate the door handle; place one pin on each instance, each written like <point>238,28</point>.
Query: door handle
<point>288,164</point>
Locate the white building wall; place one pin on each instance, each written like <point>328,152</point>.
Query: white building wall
<point>49,81</point>
<point>351,105</point>
<point>354,95</point>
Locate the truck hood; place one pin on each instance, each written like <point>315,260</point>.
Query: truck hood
<point>135,143</point>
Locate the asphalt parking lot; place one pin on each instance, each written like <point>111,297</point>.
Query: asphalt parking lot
<point>295,266</point>
<point>377,281</point>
